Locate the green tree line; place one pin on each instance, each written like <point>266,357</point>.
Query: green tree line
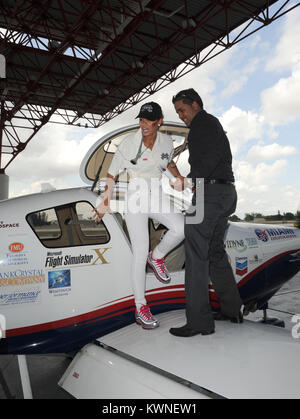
<point>286,216</point>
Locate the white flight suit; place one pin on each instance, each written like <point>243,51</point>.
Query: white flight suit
<point>145,199</point>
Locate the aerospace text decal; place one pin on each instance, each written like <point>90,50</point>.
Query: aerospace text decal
<point>8,225</point>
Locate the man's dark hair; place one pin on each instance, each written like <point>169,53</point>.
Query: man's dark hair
<point>188,96</point>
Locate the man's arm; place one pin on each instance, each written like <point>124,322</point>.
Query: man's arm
<point>179,183</point>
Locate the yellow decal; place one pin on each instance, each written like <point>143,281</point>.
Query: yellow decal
<point>100,253</point>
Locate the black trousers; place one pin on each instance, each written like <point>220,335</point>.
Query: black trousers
<point>206,259</point>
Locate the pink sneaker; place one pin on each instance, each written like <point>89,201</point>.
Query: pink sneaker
<point>144,318</point>
<point>159,268</point>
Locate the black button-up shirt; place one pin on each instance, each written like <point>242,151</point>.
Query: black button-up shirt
<point>209,150</point>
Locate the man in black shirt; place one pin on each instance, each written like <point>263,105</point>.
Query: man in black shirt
<point>211,162</point>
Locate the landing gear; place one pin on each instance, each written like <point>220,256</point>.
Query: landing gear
<point>254,306</point>
<point>273,321</point>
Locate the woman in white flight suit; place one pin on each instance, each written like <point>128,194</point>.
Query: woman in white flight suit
<point>145,155</point>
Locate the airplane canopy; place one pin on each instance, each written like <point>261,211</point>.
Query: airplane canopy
<point>101,153</point>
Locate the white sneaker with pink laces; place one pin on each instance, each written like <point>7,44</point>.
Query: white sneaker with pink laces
<point>144,318</point>
<point>159,268</point>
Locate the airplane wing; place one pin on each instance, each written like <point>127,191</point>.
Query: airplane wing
<point>250,360</point>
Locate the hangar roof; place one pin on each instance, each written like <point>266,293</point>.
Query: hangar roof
<point>85,62</point>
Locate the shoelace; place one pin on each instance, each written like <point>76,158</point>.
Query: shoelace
<point>145,312</point>
<point>160,264</point>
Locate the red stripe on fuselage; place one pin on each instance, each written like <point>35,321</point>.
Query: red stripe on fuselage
<point>154,296</point>
<point>104,313</point>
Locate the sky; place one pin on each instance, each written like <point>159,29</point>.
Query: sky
<point>253,88</point>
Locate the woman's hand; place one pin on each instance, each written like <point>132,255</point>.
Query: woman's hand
<point>103,207</point>
<point>179,184</point>
<point>101,210</point>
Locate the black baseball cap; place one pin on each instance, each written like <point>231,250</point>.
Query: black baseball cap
<point>151,111</point>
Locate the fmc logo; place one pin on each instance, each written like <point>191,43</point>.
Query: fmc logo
<point>261,235</point>
<point>16,247</point>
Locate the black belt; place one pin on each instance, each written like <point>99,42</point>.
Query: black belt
<point>213,181</point>
<point>222,181</point>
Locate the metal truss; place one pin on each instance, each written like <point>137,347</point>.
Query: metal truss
<point>99,58</point>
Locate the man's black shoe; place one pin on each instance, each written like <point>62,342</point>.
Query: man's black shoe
<point>185,331</point>
<point>236,319</point>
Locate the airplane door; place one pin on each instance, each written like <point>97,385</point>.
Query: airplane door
<point>87,265</point>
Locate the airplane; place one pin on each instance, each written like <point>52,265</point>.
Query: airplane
<point>65,288</point>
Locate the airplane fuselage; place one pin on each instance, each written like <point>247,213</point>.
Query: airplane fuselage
<point>65,281</point>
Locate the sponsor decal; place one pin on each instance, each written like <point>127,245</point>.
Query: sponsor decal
<point>8,225</point>
<point>275,234</point>
<point>281,233</point>
<point>255,259</point>
<point>242,244</point>
<point>22,277</point>
<point>238,245</point>
<point>57,259</point>
<point>59,279</point>
<point>59,282</point>
<point>261,235</point>
<point>241,265</point>
<point>14,258</point>
<point>16,247</point>
<point>251,242</point>
<point>20,297</point>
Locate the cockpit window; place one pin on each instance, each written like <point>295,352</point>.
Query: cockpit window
<point>45,224</point>
<point>67,226</point>
<point>87,224</point>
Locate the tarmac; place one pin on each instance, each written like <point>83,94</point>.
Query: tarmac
<point>46,370</point>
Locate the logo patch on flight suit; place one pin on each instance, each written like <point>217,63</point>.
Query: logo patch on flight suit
<point>164,156</point>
